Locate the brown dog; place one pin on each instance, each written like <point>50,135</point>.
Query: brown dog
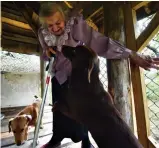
<point>27,117</point>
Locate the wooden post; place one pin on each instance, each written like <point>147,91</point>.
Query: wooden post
<point>42,73</point>
<point>137,79</point>
<point>118,70</point>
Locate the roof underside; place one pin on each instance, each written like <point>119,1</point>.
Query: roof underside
<point>17,35</point>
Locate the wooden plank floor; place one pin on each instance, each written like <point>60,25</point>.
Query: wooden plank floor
<point>7,139</point>
<point>66,143</point>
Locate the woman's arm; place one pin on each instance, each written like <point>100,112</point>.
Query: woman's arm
<point>108,48</point>
<point>102,45</point>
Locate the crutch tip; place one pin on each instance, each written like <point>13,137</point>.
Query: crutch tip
<point>37,143</point>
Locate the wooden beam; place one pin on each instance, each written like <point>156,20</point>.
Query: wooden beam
<point>96,12</point>
<point>77,6</point>
<point>89,21</point>
<point>148,33</point>
<point>13,29</point>
<point>98,15</point>
<point>63,5</point>
<point>13,17</point>
<point>15,23</point>
<point>5,9</point>
<point>94,9</point>
<point>97,7</point>
<point>19,47</point>
<point>68,4</point>
<point>141,13</point>
<point>20,38</point>
<point>34,5</point>
<point>9,5</point>
<point>30,16</point>
<point>137,80</point>
<point>138,4</point>
<point>100,19</point>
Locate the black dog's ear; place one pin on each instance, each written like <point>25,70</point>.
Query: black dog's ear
<point>92,63</point>
<point>90,68</point>
<point>68,51</point>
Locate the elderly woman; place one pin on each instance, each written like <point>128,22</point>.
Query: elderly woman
<point>60,29</point>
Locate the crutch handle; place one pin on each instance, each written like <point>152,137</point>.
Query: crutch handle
<point>52,56</point>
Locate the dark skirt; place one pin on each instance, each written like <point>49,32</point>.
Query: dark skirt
<point>63,126</point>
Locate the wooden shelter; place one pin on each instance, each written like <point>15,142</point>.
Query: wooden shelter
<point>115,19</point>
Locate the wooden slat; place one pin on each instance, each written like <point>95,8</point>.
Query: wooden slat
<point>137,80</point>
<point>94,9</point>
<point>13,17</point>
<point>15,23</point>
<point>13,29</point>
<point>19,47</point>
<point>153,7</point>
<point>17,37</point>
<point>30,16</point>
<point>140,13</point>
<point>89,21</point>
<point>100,19</point>
<point>96,12</point>
<point>77,6</point>
<point>149,32</point>
<point>15,12</point>
<point>20,38</point>
<point>68,4</point>
<point>9,5</point>
<point>152,142</point>
<point>138,4</point>
<point>63,5</point>
<point>98,15</point>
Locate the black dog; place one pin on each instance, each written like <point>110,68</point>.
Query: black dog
<point>88,102</point>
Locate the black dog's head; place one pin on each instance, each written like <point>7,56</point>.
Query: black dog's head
<point>82,58</point>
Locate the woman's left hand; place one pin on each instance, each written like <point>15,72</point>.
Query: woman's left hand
<point>143,61</point>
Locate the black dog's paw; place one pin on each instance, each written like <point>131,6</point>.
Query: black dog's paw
<point>55,106</point>
<point>59,106</point>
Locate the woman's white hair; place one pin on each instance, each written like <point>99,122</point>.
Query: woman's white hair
<point>49,8</point>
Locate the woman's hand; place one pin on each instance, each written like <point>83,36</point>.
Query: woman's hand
<point>143,61</point>
<point>50,51</point>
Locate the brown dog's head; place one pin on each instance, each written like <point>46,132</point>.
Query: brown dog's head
<point>19,126</point>
<point>82,59</point>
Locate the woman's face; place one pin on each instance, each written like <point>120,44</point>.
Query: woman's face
<point>55,23</point>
